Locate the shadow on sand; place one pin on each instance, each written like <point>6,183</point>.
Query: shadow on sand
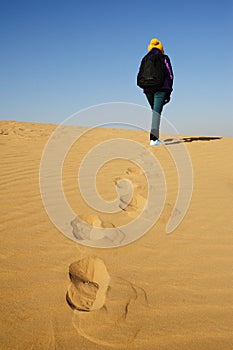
<point>172,141</point>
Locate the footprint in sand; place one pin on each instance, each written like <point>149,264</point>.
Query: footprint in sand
<point>132,203</point>
<point>135,207</point>
<point>112,305</point>
<point>125,191</point>
<point>134,200</point>
<point>89,283</point>
<point>134,171</point>
<point>92,229</point>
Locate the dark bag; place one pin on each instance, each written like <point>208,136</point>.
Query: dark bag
<point>151,72</point>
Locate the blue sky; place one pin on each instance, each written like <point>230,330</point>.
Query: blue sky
<point>58,57</point>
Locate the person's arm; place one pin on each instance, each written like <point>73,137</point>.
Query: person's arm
<point>169,69</point>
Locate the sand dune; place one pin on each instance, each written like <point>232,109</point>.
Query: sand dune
<point>161,291</point>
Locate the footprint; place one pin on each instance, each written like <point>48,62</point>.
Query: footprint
<point>81,229</point>
<point>132,205</point>
<point>135,207</point>
<point>91,228</point>
<point>89,282</point>
<point>133,170</point>
<point>124,189</point>
<point>114,316</point>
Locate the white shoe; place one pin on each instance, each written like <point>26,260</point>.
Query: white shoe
<point>156,143</point>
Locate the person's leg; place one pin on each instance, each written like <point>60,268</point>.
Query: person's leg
<point>150,98</point>
<point>159,98</point>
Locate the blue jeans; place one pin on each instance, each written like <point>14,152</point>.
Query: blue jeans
<point>156,101</point>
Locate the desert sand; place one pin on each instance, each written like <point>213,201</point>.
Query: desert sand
<point>159,292</point>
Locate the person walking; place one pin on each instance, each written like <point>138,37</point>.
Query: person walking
<point>155,77</point>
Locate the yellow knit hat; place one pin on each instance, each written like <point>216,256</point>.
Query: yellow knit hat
<point>155,43</point>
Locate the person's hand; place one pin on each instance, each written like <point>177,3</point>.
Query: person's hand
<point>167,99</point>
